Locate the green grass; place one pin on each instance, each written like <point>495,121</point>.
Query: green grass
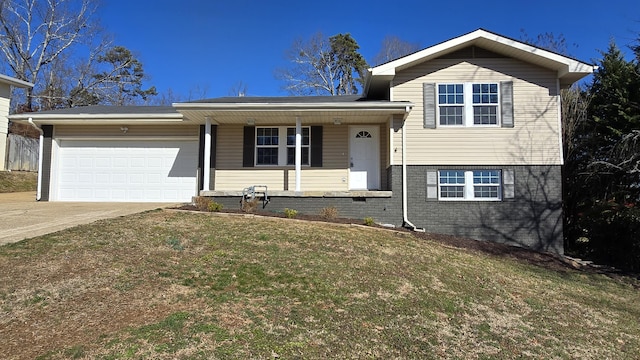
<point>168,285</point>
<point>18,181</point>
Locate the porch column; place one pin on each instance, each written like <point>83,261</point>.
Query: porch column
<point>298,152</point>
<point>206,168</point>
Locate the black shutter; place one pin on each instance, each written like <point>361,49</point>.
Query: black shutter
<point>201,157</point>
<point>248,148</point>
<point>316,146</point>
<point>214,140</point>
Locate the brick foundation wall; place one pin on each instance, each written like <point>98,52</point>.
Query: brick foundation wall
<point>532,219</point>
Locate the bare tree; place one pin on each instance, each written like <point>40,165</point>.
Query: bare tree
<point>238,89</point>
<point>321,66</point>
<point>393,48</point>
<point>34,35</point>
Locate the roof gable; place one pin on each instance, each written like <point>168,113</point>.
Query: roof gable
<point>569,70</point>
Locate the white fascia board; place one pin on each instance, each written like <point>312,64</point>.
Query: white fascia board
<point>570,64</point>
<point>96,118</point>
<point>15,82</point>
<point>301,107</point>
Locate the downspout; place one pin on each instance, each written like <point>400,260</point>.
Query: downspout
<point>405,212</point>
<point>40,156</point>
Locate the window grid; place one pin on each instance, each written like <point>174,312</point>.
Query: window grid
<point>276,145</point>
<point>291,146</point>
<point>469,184</point>
<point>485,104</point>
<point>468,104</point>
<point>451,102</point>
<point>267,140</point>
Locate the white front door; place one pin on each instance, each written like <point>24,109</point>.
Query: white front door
<point>364,153</point>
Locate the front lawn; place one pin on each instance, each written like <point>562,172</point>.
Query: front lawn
<point>175,285</point>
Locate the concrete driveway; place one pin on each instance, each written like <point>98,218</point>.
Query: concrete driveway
<point>22,217</point>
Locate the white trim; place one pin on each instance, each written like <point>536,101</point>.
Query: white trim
<point>391,157</point>
<point>140,138</point>
<point>5,79</point>
<point>468,186</point>
<point>564,65</point>
<point>206,169</point>
<point>560,130</point>
<point>367,106</point>
<point>282,146</point>
<point>468,105</point>
<point>298,151</point>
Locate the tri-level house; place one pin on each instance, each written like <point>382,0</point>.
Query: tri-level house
<point>462,138</point>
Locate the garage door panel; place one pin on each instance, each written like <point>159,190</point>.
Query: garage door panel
<point>109,170</point>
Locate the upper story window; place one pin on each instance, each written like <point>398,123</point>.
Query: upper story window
<point>451,103</point>
<point>276,145</point>
<point>485,104</point>
<point>468,104</point>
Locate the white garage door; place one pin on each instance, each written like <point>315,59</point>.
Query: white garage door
<point>127,171</point>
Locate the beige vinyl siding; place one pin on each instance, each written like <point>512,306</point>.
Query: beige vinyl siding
<point>317,179</point>
<point>229,148</point>
<point>132,131</point>
<point>334,152</point>
<point>5,99</point>
<point>534,140</point>
<point>335,147</point>
<point>312,179</point>
<point>236,180</point>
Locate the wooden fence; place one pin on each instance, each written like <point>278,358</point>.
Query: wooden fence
<point>22,153</point>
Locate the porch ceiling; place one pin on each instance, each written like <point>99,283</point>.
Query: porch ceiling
<point>263,117</point>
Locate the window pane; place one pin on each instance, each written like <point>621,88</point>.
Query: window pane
<point>486,177</point>
<point>485,192</point>
<point>451,177</point>
<point>267,156</point>
<point>485,115</point>
<point>451,115</point>
<point>267,136</point>
<point>291,136</point>
<point>450,94</point>
<point>452,191</point>
<point>485,93</point>
<point>291,156</point>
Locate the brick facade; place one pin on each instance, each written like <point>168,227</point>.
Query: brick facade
<point>532,219</point>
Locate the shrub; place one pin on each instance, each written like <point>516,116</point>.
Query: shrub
<point>214,206</point>
<point>369,221</point>
<point>202,203</point>
<point>290,213</point>
<point>250,206</point>
<point>330,212</point>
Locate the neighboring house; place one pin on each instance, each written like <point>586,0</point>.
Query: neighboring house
<point>6,82</point>
<point>461,138</point>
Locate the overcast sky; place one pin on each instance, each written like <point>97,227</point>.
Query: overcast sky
<point>206,47</point>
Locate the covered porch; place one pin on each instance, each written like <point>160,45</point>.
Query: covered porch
<point>295,146</point>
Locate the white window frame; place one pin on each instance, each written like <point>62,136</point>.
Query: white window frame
<point>282,146</point>
<point>469,186</point>
<point>468,105</point>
